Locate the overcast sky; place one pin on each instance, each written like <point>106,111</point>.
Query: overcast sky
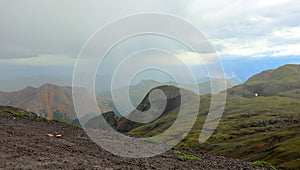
<point>45,36</point>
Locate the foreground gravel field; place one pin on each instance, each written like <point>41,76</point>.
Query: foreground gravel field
<point>24,144</point>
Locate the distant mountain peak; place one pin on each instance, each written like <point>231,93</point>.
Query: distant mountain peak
<point>49,100</point>
<point>49,85</point>
<point>29,88</point>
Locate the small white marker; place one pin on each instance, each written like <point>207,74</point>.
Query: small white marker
<point>50,135</point>
<point>57,136</point>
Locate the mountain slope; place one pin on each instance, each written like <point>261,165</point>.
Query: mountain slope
<point>48,101</point>
<point>283,81</point>
<point>25,145</point>
<point>123,124</point>
<point>253,128</point>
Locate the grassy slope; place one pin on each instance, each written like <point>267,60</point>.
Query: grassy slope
<point>263,128</point>
<point>267,131</point>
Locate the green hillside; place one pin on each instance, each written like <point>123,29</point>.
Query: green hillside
<point>284,81</point>
<point>253,128</point>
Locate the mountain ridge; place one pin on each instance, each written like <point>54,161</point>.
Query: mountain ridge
<point>48,101</point>
<point>253,127</point>
<point>282,81</point>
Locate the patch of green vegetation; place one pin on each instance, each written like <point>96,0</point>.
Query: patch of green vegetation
<point>149,140</point>
<point>264,164</point>
<point>16,114</point>
<point>190,157</point>
<point>59,121</point>
<point>176,152</point>
<point>186,156</point>
<point>20,115</point>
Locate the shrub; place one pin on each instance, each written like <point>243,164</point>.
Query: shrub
<point>16,114</point>
<point>264,164</point>
<point>190,157</point>
<point>176,152</point>
<point>186,156</point>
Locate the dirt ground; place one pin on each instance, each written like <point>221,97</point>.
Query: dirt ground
<point>24,144</point>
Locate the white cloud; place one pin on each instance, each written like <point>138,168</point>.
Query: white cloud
<point>290,33</point>
<point>267,3</point>
<point>244,28</point>
<point>279,43</point>
<point>286,50</point>
<point>239,47</point>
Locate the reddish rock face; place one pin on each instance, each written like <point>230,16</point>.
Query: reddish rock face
<point>48,101</point>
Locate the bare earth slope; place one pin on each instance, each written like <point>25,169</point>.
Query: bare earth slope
<point>48,101</point>
<point>24,144</point>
